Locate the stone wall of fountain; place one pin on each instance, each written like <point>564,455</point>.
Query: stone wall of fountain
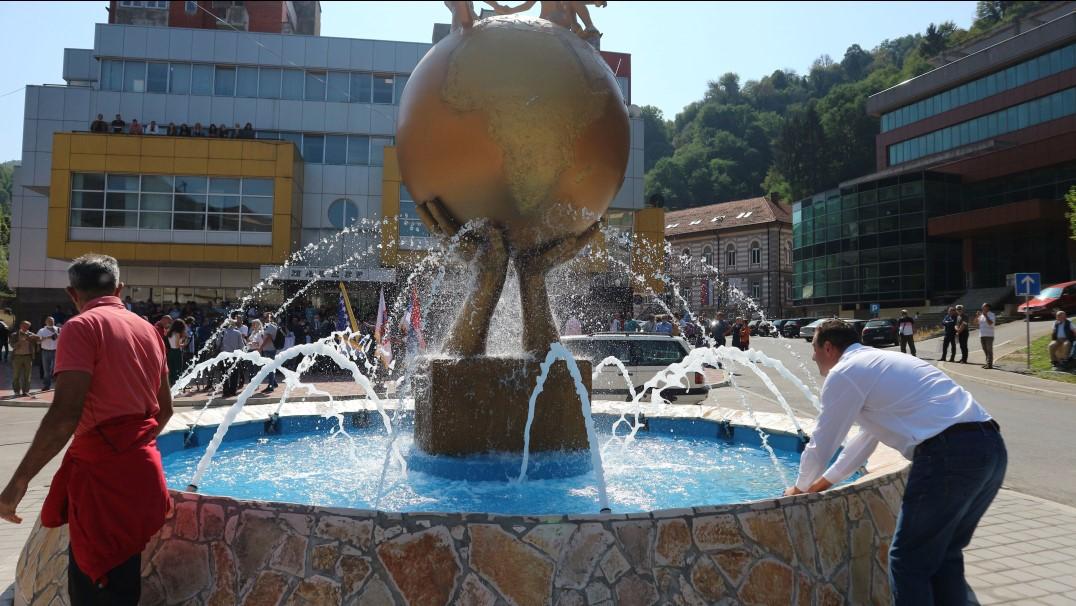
<point>828,548</point>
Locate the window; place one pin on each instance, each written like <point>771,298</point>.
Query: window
<point>190,8</point>
<point>179,78</point>
<point>269,83</point>
<point>339,85</point>
<point>163,203</point>
<point>382,89</point>
<point>111,75</point>
<point>202,79</point>
<point>292,84</point>
<point>730,256</point>
<point>134,76</point>
<point>788,291</point>
<point>343,213</point>
<point>315,86</point>
<point>1020,74</point>
<point>157,78</point>
<point>756,290</point>
<point>313,148</point>
<point>224,82</point>
<point>756,253</point>
<point>708,256</point>
<point>401,82</point>
<point>246,82</point>
<point>361,88</point>
<point>358,150</point>
<point>335,149</point>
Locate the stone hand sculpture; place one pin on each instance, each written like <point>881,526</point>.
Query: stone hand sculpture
<point>486,247</point>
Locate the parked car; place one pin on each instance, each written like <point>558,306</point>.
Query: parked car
<point>1051,299</point>
<point>753,326</point>
<point>807,332</point>
<point>778,325</point>
<point>765,328</point>
<point>791,329</point>
<point>644,355</point>
<point>880,331</point>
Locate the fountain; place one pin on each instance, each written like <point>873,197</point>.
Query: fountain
<point>500,481</point>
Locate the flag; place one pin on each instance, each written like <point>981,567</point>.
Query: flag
<point>341,314</point>
<point>415,315</point>
<point>382,334</point>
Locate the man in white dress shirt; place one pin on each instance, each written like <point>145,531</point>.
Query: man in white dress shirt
<point>958,456</point>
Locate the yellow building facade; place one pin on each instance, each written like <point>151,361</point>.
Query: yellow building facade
<point>121,155</point>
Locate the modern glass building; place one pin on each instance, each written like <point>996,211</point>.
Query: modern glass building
<point>204,218</point>
<point>973,162</point>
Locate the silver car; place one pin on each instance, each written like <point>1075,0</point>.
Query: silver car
<point>644,355</point>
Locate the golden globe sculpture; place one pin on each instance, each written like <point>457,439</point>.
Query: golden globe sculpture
<point>517,120</point>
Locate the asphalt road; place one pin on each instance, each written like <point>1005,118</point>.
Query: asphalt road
<point>1037,429</point>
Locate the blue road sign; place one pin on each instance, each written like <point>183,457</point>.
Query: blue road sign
<point>1028,284</point>
<point>876,308</point>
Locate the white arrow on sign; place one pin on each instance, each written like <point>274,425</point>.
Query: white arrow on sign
<point>1028,281</point>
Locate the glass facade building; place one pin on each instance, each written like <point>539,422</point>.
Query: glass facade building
<point>974,160</point>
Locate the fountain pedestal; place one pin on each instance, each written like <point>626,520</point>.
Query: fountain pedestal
<point>479,405</point>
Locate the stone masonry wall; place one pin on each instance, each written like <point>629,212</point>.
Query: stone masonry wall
<point>823,549</point>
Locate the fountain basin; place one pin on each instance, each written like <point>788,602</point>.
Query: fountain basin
<point>806,549</point>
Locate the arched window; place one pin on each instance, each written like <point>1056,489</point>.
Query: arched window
<point>343,213</point>
<point>708,256</point>
<point>786,258</point>
<point>756,253</point>
<point>730,256</point>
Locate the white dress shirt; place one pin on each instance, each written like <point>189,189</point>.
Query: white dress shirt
<point>896,399</point>
<point>986,329</point>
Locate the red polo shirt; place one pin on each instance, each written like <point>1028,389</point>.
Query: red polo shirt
<point>110,489</point>
<point>122,352</point>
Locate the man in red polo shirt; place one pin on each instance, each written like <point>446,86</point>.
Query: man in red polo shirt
<point>112,395</point>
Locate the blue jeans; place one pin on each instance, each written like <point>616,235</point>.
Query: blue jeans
<point>271,379</point>
<point>954,478</point>
<point>48,363</point>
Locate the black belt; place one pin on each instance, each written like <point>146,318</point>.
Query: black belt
<point>982,426</point>
<point>963,427</point>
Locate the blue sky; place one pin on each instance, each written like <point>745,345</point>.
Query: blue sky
<point>676,47</point>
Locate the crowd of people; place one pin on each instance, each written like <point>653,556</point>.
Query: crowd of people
<point>120,126</point>
<point>186,329</point>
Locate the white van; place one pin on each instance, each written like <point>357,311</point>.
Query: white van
<point>644,355</point>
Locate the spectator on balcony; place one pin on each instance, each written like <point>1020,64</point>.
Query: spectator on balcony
<point>247,131</point>
<point>212,130</point>
<point>198,130</point>
<point>226,133</point>
<point>118,124</point>
<point>171,130</point>
<point>152,129</point>
<point>99,125</point>
<point>234,132</point>
<point>136,128</point>
<point>184,130</point>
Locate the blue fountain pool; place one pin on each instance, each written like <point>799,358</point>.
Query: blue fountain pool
<point>674,463</point>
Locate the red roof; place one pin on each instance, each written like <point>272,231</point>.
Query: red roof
<point>739,213</point>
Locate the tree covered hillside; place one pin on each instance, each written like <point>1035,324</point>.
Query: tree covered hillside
<point>789,135</point>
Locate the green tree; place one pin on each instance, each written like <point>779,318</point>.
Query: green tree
<point>7,170</point>
<point>657,143</point>
<point>800,152</point>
